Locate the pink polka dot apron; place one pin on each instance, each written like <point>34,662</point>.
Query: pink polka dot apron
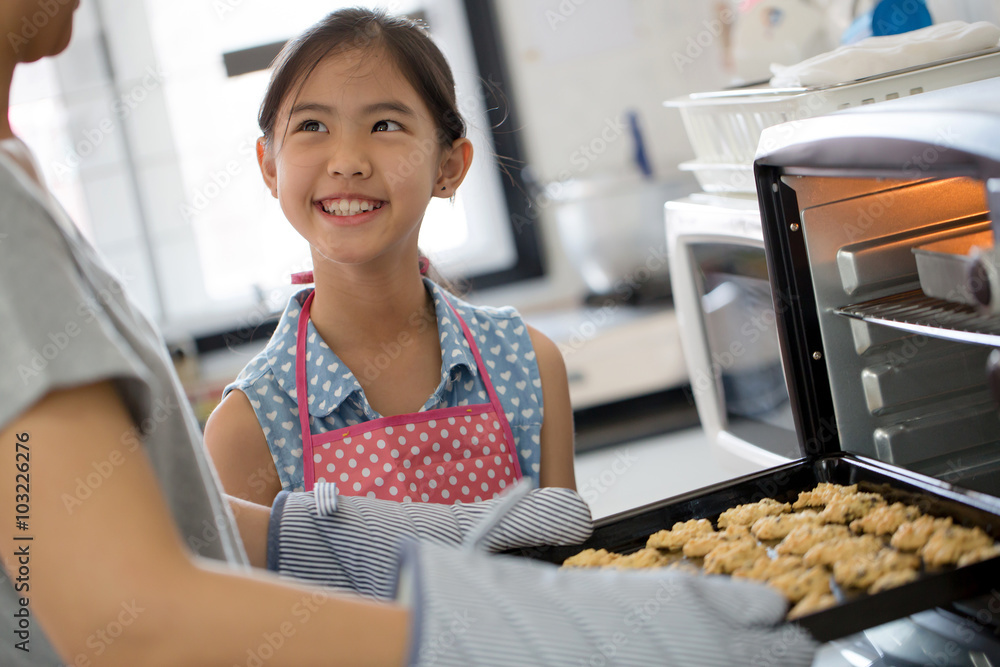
<point>463,453</point>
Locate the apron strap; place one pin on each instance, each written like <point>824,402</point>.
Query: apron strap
<point>494,399</point>
<point>302,392</point>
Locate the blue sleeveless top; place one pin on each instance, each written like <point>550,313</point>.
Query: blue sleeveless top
<point>336,399</point>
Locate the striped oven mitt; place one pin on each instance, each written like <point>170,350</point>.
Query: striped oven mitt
<point>471,608</point>
<point>353,543</point>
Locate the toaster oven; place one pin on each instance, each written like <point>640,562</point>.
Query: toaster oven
<point>853,205</point>
<point>885,332</point>
<point>727,325</point>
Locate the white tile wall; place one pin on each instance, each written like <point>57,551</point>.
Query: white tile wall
<point>616,55</point>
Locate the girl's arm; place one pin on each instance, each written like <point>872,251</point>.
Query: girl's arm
<point>114,562</point>
<point>557,426</point>
<point>239,451</point>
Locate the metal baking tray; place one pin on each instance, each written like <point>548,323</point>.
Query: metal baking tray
<point>627,532</point>
<point>945,266</point>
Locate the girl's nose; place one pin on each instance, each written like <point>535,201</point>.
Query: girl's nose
<point>349,160</point>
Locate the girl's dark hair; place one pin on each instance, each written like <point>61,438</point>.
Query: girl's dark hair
<point>405,41</point>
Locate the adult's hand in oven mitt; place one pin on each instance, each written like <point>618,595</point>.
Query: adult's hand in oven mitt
<point>472,608</point>
<point>353,543</point>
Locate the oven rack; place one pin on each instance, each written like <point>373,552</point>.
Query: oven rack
<point>916,312</point>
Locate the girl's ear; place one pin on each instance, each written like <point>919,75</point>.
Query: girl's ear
<point>455,163</point>
<point>267,167</point>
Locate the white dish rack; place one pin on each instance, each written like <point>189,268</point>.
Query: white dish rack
<point>724,127</point>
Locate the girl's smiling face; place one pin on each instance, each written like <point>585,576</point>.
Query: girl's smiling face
<point>356,157</point>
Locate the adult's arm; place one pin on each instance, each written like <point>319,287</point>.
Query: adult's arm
<point>557,426</point>
<point>117,560</point>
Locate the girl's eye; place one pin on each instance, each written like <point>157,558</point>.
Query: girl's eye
<point>312,126</point>
<point>387,126</point>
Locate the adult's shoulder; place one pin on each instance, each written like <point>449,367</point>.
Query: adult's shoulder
<point>27,216</point>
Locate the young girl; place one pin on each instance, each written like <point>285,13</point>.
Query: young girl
<point>378,379</point>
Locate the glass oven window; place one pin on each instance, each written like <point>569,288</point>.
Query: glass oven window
<point>740,328</point>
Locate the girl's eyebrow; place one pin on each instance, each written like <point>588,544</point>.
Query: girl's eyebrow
<point>391,105</point>
<point>311,106</point>
<point>375,108</point>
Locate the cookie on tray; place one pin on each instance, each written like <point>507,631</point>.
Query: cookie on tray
<point>947,545</point>
<point>765,567</point>
<point>746,515</point>
<point>913,535</point>
<point>811,604</point>
<point>591,558</point>
<point>643,558</point>
<point>822,494</point>
<point>803,538</point>
<point>731,556</point>
<point>863,570</point>
<point>892,580</point>
<point>981,553</point>
<point>800,582</point>
<point>700,545</point>
<point>682,531</point>
<point>778,526</point>
<point>850,507</point>
<point>886,519</point>
<point>828,553</point>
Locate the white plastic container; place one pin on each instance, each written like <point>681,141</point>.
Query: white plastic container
<point>724,127</point>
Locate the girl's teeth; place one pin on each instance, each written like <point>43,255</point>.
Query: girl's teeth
<point>350,207</point>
